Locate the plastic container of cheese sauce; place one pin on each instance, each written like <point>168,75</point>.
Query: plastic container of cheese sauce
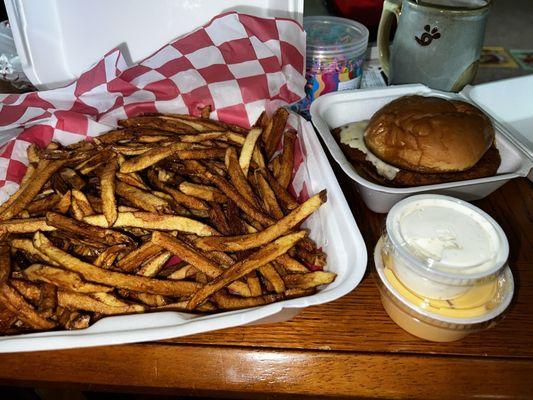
<point>442,268</point>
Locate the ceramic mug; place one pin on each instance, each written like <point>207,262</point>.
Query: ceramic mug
<point>437,42</point>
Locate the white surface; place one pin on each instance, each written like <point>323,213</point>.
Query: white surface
<point>334,228</point>
<point>500,308</point>
<point>59,39</point>
<point>339,108</point>
<point>421,227</point>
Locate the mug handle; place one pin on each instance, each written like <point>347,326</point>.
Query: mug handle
<point>390,8</point>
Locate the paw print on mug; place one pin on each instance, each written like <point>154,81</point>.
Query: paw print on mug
<point>427,37</point>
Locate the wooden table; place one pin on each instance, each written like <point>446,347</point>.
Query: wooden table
<point>348,347</point>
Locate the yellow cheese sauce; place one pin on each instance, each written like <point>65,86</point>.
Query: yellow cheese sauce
<point>475,302</point>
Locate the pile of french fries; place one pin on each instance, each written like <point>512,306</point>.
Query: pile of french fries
<point>168,212</point>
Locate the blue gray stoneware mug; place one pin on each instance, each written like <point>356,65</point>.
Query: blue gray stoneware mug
<point>437,42</point>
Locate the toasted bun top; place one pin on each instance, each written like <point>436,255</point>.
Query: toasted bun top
<point>429,134</point>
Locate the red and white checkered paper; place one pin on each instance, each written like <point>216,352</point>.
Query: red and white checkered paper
<point>238,64</point>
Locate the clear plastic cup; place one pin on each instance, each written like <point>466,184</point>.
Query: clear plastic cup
<point>335,50</point>
<point>423,318</point>
<point>441,247</point>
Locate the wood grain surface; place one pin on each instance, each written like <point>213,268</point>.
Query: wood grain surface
<point>346,348</point>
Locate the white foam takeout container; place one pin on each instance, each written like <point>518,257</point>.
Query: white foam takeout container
<point>332,227</point>
<point>335,109</point>
<point>57,40</point>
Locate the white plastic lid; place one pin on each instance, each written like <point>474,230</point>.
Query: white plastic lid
<point>446,237</point>
<point>334,36</point>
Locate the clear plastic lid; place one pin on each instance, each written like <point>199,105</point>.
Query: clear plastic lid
<point>482,302</point>
<point>446,239</point>
<point>334,36</point>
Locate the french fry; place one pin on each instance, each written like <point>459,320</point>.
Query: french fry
<point>272,141</point>
<point>162,123</point>
<point>247,149</point>
<point>132,179</point>
<point>64,202</point>
<point>81,301</point>
<point>161,139</point>
<point>42,204</point>
<point>179,197</point>
<point>268,196</point>
<point>275,165</point>
<point>287,202</point>
<point>309,280</point>
<point>153,221</point>
<point>254,284</point>
<point>15,303</point>
<point>206,111</point>
<point>198,124</point>
<point>29,290</point>
<point>72,178</point>
<point>82,203</point>
<point>238,177</point>
<point>230,191</point>
<point>203,137</point>
<point>218,219</point>
<point>33,153</point>
<point>196,259</point>
<point>112,278</point>
<point>181,306</point>
<point>7,319</point>
<point>151,157</point>
<point>183,273</point>
<point>61,278</point>
<point>5,262</point>
<point>107,190</point>
<point>228,302</point>
<point>287,159</point>
<point>115,136</point>
<point>261,257</point>
<point>269,273</point>
<point>244,242</point>
<point>76,210</point>
<point>155,264</point>
<point>84,230</point>
<point>72,319</point>
<point>133,150</point>
<point>25,225</point>
<point>93,162</point>
<point>135,258</point>
<point>290,264</point>
<point>26,245</point>
<point>27,175</point>
<point>142,199</point>
<point>107,257</point>
<point>48,300</point>
<point>25,194</point>
<point>203,192</point>
<point>151,300</point>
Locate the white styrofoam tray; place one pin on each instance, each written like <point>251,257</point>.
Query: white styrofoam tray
<point>57,40</point>
<point>509,101</point>
<point>332,227</point>
<point>338,108</point>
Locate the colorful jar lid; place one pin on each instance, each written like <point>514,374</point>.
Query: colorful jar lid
<point>332,36</point>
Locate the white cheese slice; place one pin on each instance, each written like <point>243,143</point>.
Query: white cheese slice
<point>353,136</point>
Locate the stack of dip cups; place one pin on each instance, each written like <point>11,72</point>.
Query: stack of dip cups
<point>335,50</point>
<point>441,268</point>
